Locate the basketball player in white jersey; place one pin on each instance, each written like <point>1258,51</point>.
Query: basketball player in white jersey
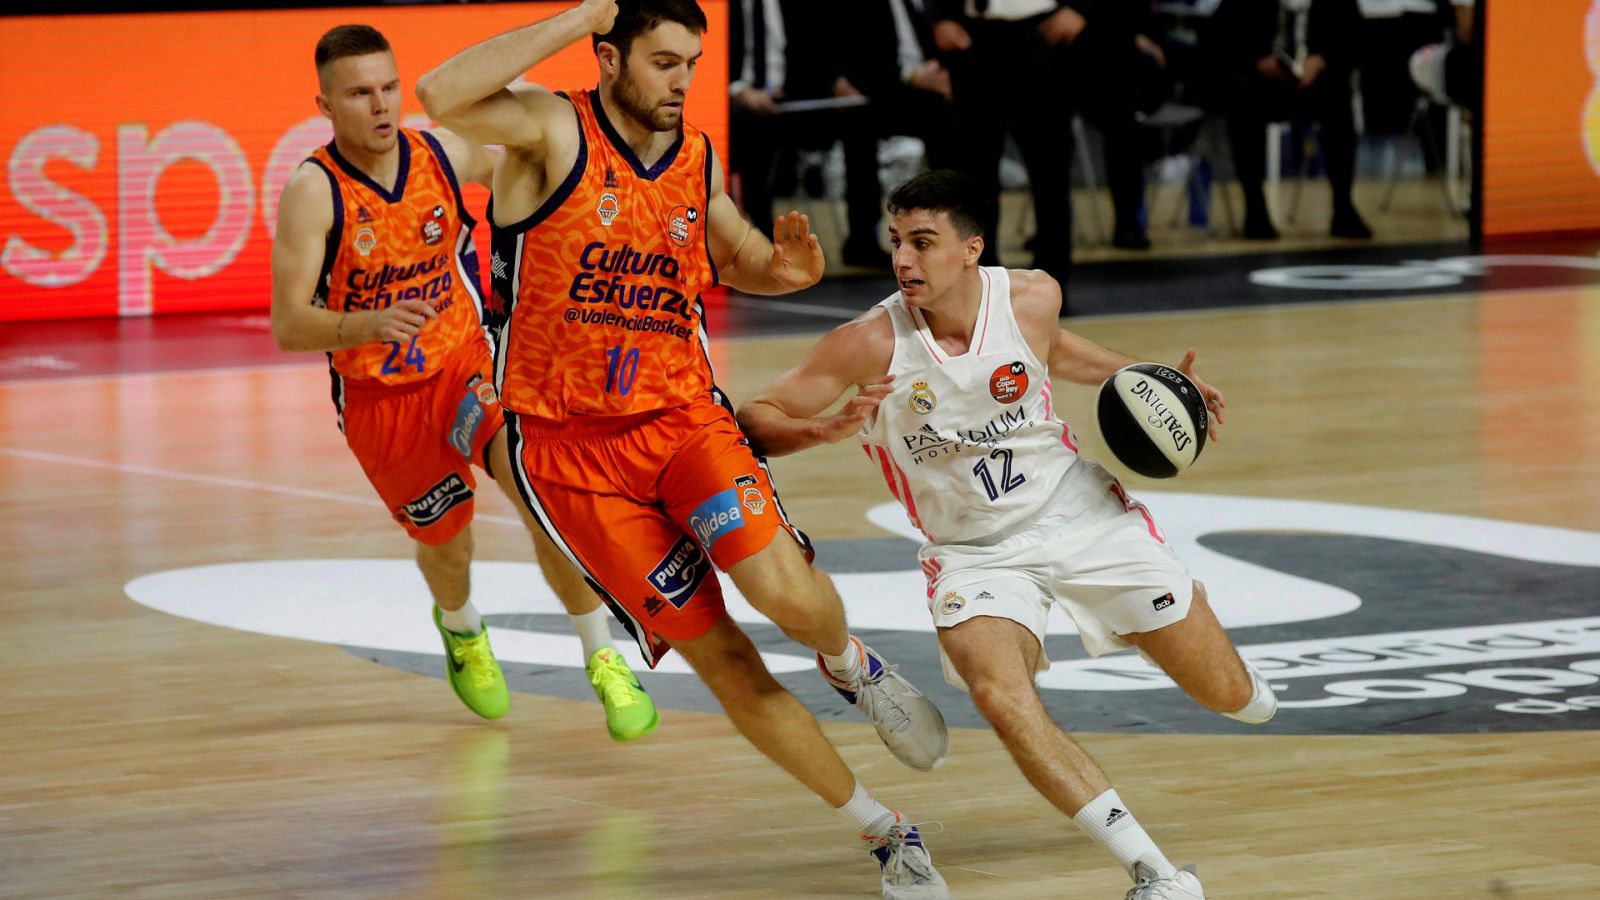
<point>954,407</point>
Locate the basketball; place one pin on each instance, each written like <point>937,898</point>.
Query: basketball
<point>1153,418</point>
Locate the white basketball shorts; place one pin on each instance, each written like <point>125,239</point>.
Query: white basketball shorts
<point>1094,551</point>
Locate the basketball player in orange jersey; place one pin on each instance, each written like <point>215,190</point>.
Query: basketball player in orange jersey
<point>954,406</point>
<point>610,219</point>
<point>373,263</point>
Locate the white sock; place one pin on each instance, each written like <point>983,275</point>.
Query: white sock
<point>594,630</point>
<point>1263,703</point>
<point>1107,819</point>
<point>462,621</point>
<point>847,666</point>
<point>863,810</point>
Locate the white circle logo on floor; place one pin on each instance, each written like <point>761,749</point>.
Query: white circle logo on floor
<point>1366,620</point>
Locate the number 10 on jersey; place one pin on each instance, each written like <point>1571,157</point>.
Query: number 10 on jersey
<point>621,369</point>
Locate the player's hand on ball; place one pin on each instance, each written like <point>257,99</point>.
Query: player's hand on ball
<point>1215,402</point>
<point>849,420</point>
<point>796,256</point>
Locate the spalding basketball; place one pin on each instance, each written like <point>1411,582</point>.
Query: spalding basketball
<point>1153,418</point>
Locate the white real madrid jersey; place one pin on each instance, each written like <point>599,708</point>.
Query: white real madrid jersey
<point>968,444</point>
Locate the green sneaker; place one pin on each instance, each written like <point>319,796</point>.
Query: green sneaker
<point>630,714</point>
<point>472,670</point>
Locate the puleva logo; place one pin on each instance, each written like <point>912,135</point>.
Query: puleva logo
<point>1365,620</point>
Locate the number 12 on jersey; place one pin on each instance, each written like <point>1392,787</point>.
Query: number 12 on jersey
<point>1008,482</point>
<point>621,368</point>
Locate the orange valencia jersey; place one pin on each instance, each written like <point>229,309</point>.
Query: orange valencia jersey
<point>414,243</point>
<point>595,297</point>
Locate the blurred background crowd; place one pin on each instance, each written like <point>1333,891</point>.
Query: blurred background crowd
<point>1109,123</point>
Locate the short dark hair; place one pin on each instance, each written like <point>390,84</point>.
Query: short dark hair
<point>349,40</point>
<point>946,191</point>
<point>635,17</point>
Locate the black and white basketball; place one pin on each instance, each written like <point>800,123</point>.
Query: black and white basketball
<point>1153,418</point>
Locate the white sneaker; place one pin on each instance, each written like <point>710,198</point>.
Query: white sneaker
<point>1181,885</point>
<point>908,723</point>
<point>1263,703</point>
<point>908,872</point>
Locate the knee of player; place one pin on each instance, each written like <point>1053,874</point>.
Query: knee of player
<point>1006,706</point>
<point>453,556</point>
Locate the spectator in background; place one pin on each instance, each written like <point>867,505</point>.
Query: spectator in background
<point>1007,71</point>
<point>1390,31</point>
<point>1115,72</point>
<point>888,55</point>
<point>1027,66</point>
<point>1267,72</point>
<point>779,52</point>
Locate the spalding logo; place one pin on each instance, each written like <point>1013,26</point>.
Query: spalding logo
<point>1161,417</point>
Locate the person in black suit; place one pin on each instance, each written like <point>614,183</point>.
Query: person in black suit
<point>1252,50</point>
<point>1007,73</point>
<point>888,55</point>
<point>782,50</point>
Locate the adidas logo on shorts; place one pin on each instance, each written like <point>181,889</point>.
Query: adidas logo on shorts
<point>984,595</point>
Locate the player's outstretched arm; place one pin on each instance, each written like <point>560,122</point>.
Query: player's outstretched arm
<point>792,260</point>
<point>786,416</point>
<point>1077,359</point>
<point>305,215</point>
<point>469,93</point>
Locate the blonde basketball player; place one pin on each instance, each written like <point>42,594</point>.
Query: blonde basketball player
<point>373,264</point>
<point>954,407</point>
<point>610,219</point>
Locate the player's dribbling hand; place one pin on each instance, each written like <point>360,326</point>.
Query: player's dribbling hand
<point>602,14</point>
<point>1214,399</point>
<point>853,415</point>
<point>402,321</point>
<point>796,256</point>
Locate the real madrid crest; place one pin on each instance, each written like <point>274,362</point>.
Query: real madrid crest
<point>922,399</point>
<point>953,602</point>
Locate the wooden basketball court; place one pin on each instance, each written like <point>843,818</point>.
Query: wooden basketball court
<point>153,755</point>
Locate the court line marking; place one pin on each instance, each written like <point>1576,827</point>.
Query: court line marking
<point>826,312</point>
<point>1244,308</point>
<point>834,313</point>
<point>243,484</point>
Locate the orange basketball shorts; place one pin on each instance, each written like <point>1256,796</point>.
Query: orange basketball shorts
<point>417,441</point>
<point>645,504</point>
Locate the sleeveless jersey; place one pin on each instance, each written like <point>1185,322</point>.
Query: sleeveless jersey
<point>595,306</point>
<point>968,444</point>
<point>412,243</point>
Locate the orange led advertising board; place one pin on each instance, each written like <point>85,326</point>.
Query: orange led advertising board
<point>1541,129</point>
<point>145,152</point>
